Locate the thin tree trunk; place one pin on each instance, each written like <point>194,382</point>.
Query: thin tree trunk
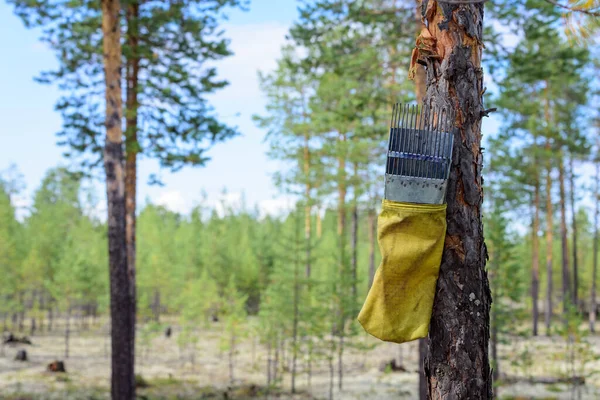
<point>372,227</point>
<point>269,363</point>
<point>332,355</point>
<point>574,228</point>
<point>593,305</point>
<point>122,379</point>
<point>535,255</point>
<point>231,353</point>
<point>549,239</point>
<point>67,332</point>
<point>296,305</point>
<point>131,149</point>
<point>457,365</point>
<point>354,288</point>
<point>156,305</point>
<point>50,316</point>
<point>341,230</point>
<point>276,363</point>
<point>307,207</point>
<point>566,276</point>
<point>549,217</point>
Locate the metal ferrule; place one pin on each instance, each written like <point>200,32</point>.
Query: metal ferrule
<point>408,189</point>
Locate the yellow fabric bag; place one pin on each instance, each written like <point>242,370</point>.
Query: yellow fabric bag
<point>411,239</point>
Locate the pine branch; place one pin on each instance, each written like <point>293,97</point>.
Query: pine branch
<point>574,9</point>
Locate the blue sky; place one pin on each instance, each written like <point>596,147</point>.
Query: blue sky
<point>29,122</point>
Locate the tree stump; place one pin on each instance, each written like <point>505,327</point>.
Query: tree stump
<point>56,366</point>
<point>21,356</point>
<point>391,366</point>
<point>9,338</point>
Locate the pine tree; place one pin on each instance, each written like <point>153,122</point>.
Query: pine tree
<point>122,302</point>
<point>461,308</point>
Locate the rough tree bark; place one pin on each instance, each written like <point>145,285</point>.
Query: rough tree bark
<point>122,378</point>
<point>566,276</point>
<point>574,227</point>
<point>132,148</point>
<point>535,254</point>
<point>457,365</point>
<point>593,305</point>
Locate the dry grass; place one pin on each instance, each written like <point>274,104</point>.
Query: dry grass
<point>170,373</point>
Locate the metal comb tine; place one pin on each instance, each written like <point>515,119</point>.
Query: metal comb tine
<point>419,153</point>
<point>428,151</point>
<point>397,135</point>
<point>415,146</point>
<point>432,136</point>
<point>443,141</point>
<point>400,169</point>
<point>411,141</point>
<point>440,132</point>
<point>417,136</point>
<point>450,146</point>
<point>390,158</point>
<point>423,142</point>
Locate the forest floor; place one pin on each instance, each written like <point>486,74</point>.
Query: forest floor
<point>169,374</point>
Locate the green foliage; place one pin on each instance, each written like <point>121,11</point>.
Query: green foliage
<point>173,43</point>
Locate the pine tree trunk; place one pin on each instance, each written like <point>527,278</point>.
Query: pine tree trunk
<point>296,304</point>
<point>269,346</point>
<point>457,365</point>
<point>566,277</point>
<point>372,237</point>
<point>132,148</point>
<point>535,256</point>
<point>341,230</point>
<point>231,354</point>
<point>593,304</point>
<point>50,316</point>
<point>67,332</point>
<point>307,207</point>
<point>549,239</point>
<point>354,278</point>
<point>574,228</point>
<point>122,379</point>
<point>156,305</point>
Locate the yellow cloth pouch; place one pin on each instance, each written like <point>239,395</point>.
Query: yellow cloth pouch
<point>411,239</point>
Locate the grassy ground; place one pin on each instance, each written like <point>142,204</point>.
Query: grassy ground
<point>171,374</point>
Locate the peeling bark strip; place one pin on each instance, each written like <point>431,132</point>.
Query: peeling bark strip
<point>457,366</point>
<point>122,321</point>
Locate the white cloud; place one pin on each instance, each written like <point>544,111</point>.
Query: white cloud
<point>226,201</point>
<point>175,201</point>
<point>275,207</point>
